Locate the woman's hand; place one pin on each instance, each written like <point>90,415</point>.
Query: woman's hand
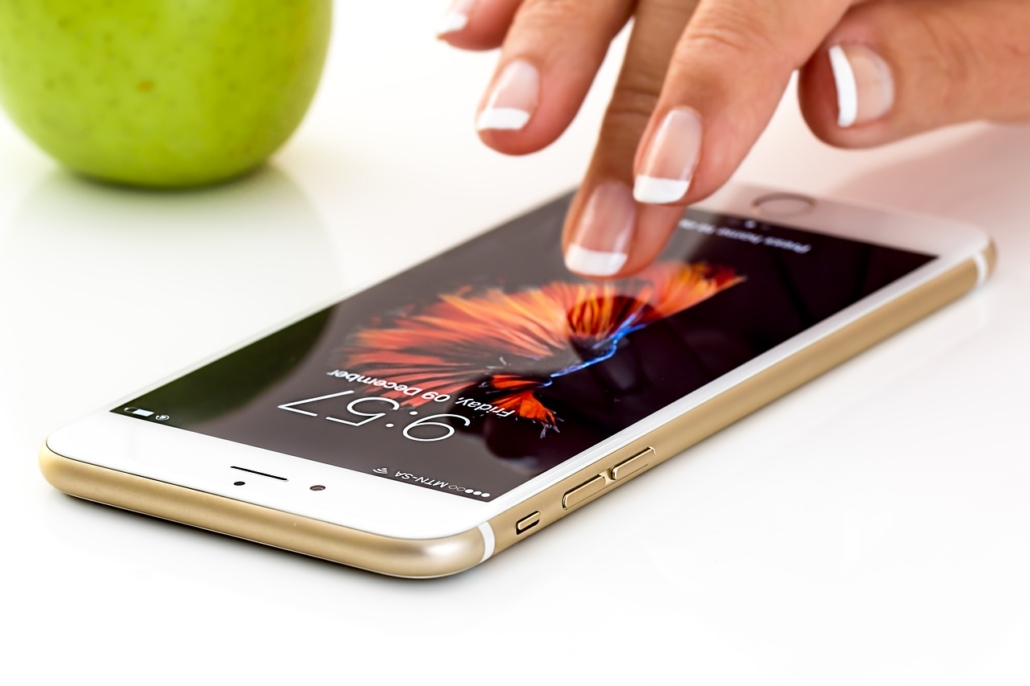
<point>702,78</point>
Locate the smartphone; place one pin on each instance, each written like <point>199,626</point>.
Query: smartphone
<point>422,425</point>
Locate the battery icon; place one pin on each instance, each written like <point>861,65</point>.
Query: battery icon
<point>138,412</point>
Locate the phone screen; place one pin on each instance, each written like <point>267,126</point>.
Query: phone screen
<point>485,366</point>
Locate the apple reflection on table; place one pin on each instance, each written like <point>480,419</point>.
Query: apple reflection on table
<point>106,289</point>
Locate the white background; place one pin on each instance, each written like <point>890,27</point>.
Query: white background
<point>871,528</point>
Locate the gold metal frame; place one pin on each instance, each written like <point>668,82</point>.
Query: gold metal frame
<point>440,557</point>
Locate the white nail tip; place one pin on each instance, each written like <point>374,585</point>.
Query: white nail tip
<point>655,191</point>
<point>451,23</point>
<point>594,262</point>
<point>502,119</point>
<point>847,87</point>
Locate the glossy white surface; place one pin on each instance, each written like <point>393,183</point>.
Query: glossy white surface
<point>871,528</point>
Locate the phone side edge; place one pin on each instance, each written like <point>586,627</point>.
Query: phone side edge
<point>749,396</point>
<point>989,259</point>
<point>411,559</point>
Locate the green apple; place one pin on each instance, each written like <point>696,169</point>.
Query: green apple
<point>161,93</point>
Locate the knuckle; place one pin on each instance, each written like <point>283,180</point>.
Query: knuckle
<point>951,55</point>
<point>976,64</point>
<point>633,101</point>
<point>719,39</point>
<point>547,12</point>
<point>726,35</point>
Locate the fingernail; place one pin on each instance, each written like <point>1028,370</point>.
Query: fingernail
<point>865,86</point>
<point>600,243</point>
<point>513,100</point>
<point>672,154</point>
<point>457,17</point>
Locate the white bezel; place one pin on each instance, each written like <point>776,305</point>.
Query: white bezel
<point>380,506</point>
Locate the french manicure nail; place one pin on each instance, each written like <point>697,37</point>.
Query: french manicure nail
<point>513,99</point>
<point>865,86</point>
<point>670,159</point>
<point>457,17</point>
<point>600,243</point>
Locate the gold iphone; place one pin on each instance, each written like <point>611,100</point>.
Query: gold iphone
<point>420,426</point>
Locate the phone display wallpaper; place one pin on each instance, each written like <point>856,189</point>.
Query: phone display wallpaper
<point>485,366</point>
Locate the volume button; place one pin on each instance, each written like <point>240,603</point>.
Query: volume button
<point>633,465</point>
<point>583,492</point>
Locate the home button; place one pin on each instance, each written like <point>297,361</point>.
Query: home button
<point>783,205</point>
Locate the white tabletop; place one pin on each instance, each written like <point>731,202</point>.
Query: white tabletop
<point>870,528</point>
